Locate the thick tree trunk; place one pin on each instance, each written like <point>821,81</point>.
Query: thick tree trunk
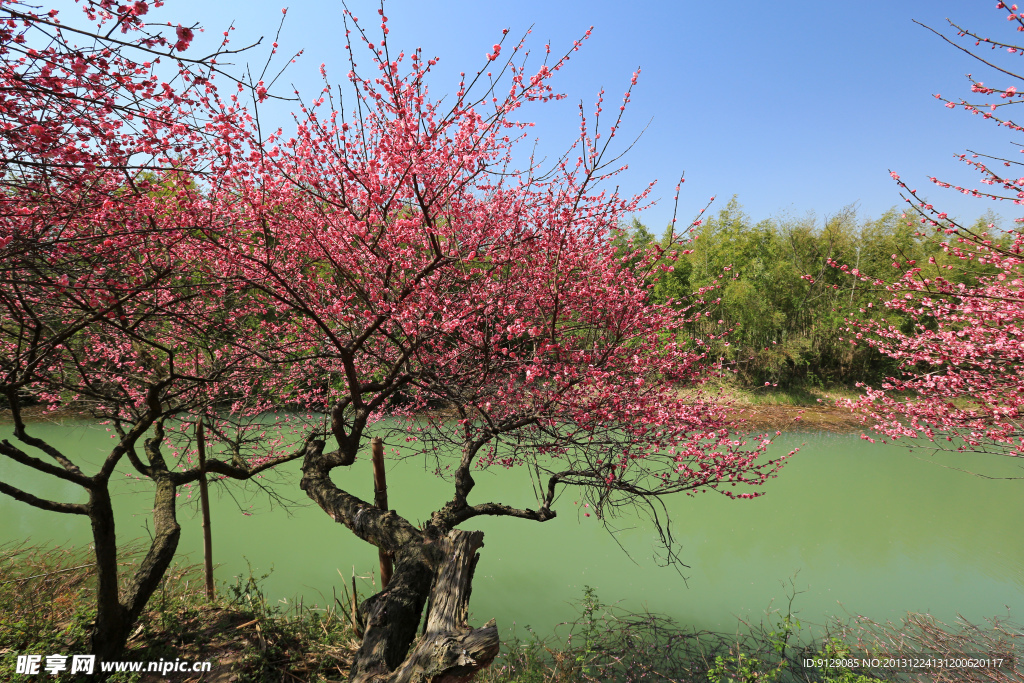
<point>391,618</point>
<point>449,651</point>
<point>110,630</point>
<point>433,562</point>
<point>116,617</point>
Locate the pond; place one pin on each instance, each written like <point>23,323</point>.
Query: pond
<point>859,528</point>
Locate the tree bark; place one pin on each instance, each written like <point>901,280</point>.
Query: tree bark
<point>110,627</point>
<point>166,534</point>
<point>114,616</point>
<point>391,618</point>
<point>433,561</point>
<point>451,651</point>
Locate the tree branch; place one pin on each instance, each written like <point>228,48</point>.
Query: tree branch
<point>42,503</point>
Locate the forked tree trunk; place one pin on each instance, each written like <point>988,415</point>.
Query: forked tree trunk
<point>116,614</point>
<point>432,562</point>
<point>450,651</point>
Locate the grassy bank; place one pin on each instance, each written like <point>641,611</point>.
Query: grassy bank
<point>794,408</point>
<point>44,598</point>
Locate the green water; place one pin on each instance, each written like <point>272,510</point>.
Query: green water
<point>865,529</point>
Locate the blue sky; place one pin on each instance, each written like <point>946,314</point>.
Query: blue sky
<point>793,105</point>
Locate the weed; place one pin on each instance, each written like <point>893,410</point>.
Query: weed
<point>45,594</point>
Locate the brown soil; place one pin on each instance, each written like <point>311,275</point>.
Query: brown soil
<point>802,419</point>
<point>227,638</point>
<point>39,413</point>
<point>759,417</point>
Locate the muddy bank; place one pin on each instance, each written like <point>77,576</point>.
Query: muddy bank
<point>758,418</point>
<point>801,419</point>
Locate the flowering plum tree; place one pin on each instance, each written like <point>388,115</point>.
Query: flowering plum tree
<point>107,302</point>
<point>393,268</point>
<point>437,295</point>
<point>962,386</point>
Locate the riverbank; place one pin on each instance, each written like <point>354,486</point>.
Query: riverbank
<point>769,410</point>
<point>824,416</point>
<point>244,639</point>
<point>810,419</point>
<point>800,409</point>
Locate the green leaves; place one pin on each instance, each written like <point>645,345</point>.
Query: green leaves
<point>778,299</point>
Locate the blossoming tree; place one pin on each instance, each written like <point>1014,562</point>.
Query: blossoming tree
<point>391,266</point>
<point>459,302</point>
<point>107,302</point>
<point>962,386</point>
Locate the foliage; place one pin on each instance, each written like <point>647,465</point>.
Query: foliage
<point>999,638</point>
<point>372,265</point>
<point>610,644</point>
<point>406,262</point>
<point>43,601</point>
<point>397,253</point>
<point>303,640</point>
<point>770,286</point>
<point>248,638</point>
<point>618,645</point>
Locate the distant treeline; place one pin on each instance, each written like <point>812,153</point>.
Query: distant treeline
<point>788,329</point>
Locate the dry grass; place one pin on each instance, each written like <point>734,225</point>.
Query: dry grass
<point>771,409</point>
<point>922,636</point>
<point>41,589</point>
<point>46,606</point>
